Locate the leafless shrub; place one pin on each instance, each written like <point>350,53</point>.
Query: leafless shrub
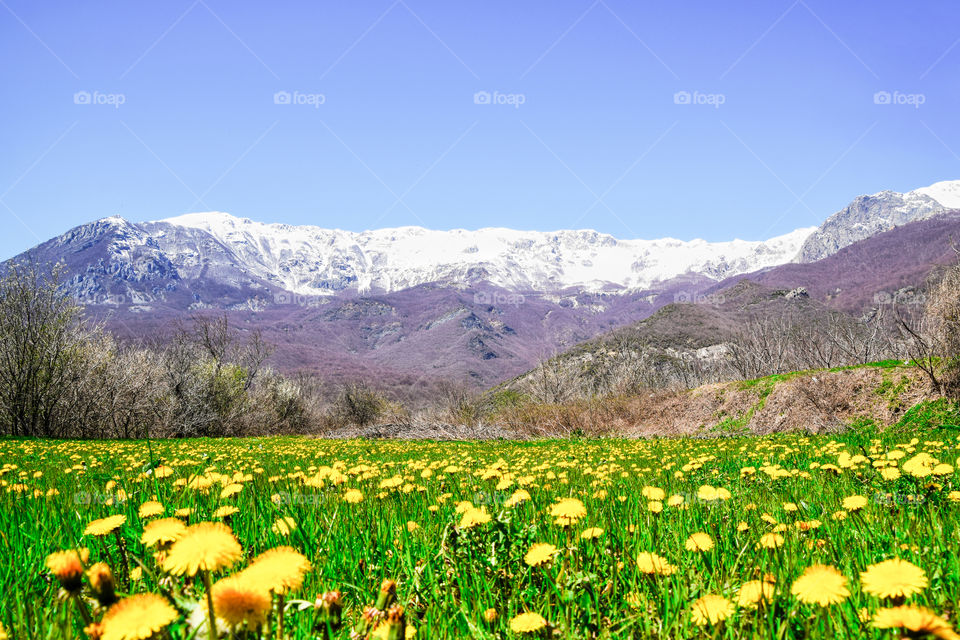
<point>932,335</point>
<point>42,344</point>
<point>357,404</point>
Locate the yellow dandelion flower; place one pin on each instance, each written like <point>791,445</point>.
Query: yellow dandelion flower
<point>755,593</point>
<point>914,619</point>
<point>711,609</point>
<point>150,509</point>
<point>280,570</point>
<point>225,511</point>
<point>771,541</point>
<point>652,564</point>
<point>104,526</point>
<point>540,554</point>
<point>822,585</point>
<point>240,602</point>
<point>894,578</point>
<point>890,473</point>
<point>592,532</point>
<point>207,546</point>
<point>699,542</point>
<point>530,622</point>
<point>353,496</point>
<point>707,493</point>
<point>284,526</point>
<point>855,503</point>
<point>137,618</point>
<point>654,506</point>
<point>567,511</point>
<point>519,496</point>
<point>474,517</point>
<point>163,531</point>
<point>231,490</point>
<point>653,493</point>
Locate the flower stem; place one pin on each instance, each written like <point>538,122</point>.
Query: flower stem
<point>210,617</point>
<point>280,617</point>
<point>82,608</point>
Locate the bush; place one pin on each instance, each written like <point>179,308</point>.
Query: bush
<point>357,404</point>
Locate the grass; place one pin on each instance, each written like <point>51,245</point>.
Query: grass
<point>772,379</point>
<point>448,575</point>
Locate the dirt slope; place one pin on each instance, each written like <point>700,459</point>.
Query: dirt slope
<point>810,401</point>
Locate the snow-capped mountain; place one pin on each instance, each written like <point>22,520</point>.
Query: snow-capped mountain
<point>311,260</point>
<point>411,304</point>
<point>216,259</point>
<point>869,215</point>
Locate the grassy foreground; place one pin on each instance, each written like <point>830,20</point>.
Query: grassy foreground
<point>458,527</point>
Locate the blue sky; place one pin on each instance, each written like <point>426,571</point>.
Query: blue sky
<point>640,119</point>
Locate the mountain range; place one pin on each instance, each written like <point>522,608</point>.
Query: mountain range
<point>415,306</point>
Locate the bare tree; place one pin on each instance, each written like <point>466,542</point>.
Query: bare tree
<point>40,329</point>
<point>932,332</point>
<point>762,347</point>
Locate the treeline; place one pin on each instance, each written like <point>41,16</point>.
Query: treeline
<point>922,329</point>
<point>791,338</point>
<point>63,376</point>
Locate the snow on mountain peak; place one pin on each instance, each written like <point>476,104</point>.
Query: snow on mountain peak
<point>313,260</point>
<point>947,193</point>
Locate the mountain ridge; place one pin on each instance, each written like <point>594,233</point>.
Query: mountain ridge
<point>499,301</point>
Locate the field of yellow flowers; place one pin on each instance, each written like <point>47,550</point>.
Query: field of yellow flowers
<point>787,536</point>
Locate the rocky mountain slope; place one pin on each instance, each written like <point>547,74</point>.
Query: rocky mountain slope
<point>417,306</point>
<point>217,260</point>
<point>869,215</point>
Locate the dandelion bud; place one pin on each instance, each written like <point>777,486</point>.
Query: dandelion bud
<point>490,615</point>
<point>396,623</point>
<point>387,596</point>
<point>330,609</point>
<point>101,582</point>
<point>67,568</point>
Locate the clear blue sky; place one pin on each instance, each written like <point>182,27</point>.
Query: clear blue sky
<point>599,140</point>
